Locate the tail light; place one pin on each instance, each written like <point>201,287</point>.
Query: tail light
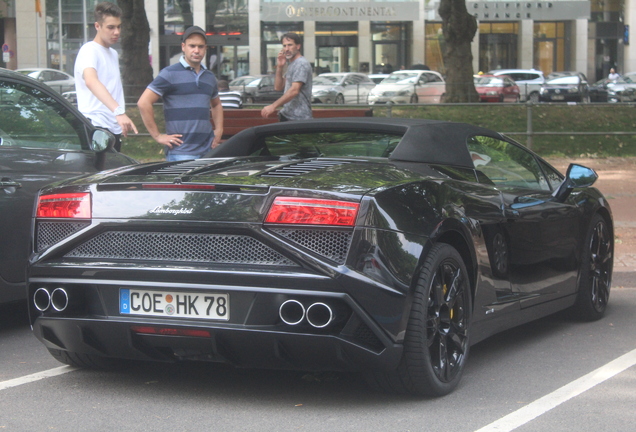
<point>65,205</point>
<point>309,211</point>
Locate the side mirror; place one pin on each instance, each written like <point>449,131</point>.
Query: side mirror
<point>577,176</point>
<point>102,140</point>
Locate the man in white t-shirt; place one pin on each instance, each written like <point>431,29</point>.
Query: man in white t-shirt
<point>100,94</point>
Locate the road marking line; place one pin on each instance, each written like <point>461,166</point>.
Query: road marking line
<point>565,393</point>
<point>36,377</point>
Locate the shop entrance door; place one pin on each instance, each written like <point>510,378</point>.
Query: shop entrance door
<point>497,51</point>
<point>545,55</point>
<point>387,57</point>
<point>336,59</point>
<point>228,62</point>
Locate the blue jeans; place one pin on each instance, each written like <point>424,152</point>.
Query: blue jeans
<point>181,157</point>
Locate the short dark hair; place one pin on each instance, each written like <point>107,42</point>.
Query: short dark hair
<point>292,37</point>
<point>106,9</point>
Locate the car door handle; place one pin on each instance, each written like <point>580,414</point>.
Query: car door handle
<point>6,182</point>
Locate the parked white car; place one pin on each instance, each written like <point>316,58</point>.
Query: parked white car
<point>58,80</point>
<point>409,86</point>
<point>528,80</point>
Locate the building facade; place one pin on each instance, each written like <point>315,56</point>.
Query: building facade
<point>589,36</point>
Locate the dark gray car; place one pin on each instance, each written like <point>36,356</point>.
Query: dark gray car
<point>43,139</point>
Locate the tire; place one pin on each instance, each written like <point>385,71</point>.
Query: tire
<point>339,100</point>
<point>88,361</point>
<point>595,272</point>
<point>534,97</point>
<point>249,100</point>
<point>436,342</point>
<point>414,99</point>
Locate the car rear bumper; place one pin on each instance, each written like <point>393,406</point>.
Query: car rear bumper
<point>239,347</point>
<point>355,336</point>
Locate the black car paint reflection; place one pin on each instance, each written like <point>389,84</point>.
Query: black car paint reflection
<point>500,236</point>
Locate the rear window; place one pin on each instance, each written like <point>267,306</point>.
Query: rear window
<point>329,144</point>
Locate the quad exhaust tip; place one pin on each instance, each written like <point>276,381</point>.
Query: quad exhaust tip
<point>292,312</point>
<point>59,299</point>
<point>41,299</point>
<point>44,300</point>
<point>318,315</point>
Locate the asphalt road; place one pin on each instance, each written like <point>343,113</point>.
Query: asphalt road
<point>506,377</point>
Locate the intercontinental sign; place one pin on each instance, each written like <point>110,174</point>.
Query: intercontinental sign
<point>340,11</point>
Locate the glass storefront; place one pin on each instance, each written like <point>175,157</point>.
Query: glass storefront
<point>435,45</point>
<point>549,47</point>
<point>498,45</point>
<point>227,34</point>
<point>336,47</point>
<point>388,46</point>
<point>72,37</point>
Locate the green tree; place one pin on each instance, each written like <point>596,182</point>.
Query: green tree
<point>135,38</point>
<point>459,28</point>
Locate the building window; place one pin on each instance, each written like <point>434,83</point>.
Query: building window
<point>498,45</point>
<point>435,46</point>
<point>226,17</point>
<point>549,46</point>
<point>337,47</point>
<point>389,46</point>
<point>175,16</point>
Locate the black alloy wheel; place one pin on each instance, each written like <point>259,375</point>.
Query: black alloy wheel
<point>436,343</point>
<point>595,273</point>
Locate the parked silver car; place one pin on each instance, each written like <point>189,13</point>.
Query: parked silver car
<point>58,80</point>
<point>340,88</point>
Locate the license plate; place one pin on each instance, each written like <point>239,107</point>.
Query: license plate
<point>174,304</point>
<point>558,97</point>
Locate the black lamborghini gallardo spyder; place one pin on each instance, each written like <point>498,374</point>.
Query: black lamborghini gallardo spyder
<point>384,246</point>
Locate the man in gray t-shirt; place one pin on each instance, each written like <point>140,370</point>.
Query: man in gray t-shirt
<point>296,101</point>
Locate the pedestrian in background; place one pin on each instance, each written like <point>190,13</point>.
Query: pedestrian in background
<point>229,99</point>
<point>296,82</point>
<point>613,75</point>
<point>100,94</point>
<point>191,103</point>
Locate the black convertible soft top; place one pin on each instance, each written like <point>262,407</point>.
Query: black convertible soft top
<point>424,141</point>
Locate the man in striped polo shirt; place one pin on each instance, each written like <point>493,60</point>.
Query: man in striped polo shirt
<point>188,90</point>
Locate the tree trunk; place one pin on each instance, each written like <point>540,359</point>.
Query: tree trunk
<point>135,37</point>
<point>459,28</point>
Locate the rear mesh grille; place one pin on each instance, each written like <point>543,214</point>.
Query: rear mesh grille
<point>330,244</point>
<point>51,233</point>
<point>182,247</point>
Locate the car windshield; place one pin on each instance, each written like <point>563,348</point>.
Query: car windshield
<point>564,80</point>
<point>31,73</point>
<point>329,144</point>
<point>254,83</point>
<point>488,81</point>
<point>401,78</point>
<point>242,81</point>
<point>323,80</point>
